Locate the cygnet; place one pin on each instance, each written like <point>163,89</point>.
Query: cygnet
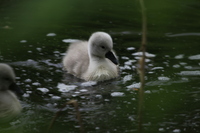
<point>92,60</point>
<point>9,104</point>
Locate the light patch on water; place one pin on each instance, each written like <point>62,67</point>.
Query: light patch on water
<point>176,66</point>
<point>23,41</point>
<point>27,63</point>
<point>129,62</point>
<point>14,123</point>
<point>147,92</point>
<point>131,118</point>
<point>133,99</point>
<point>97,128</point>
<point>188,67</point>
<point>26,95</point>
<point>89,83</point>
<point>70,40</point>
<point>176,131</point>
<point>182,34</point>
<point>83,90</point>
<point>56,97</point>
<point>36,84</point>
<point>156,68</point>
<point>130,48</point>
<point>183,63</point>
<point>161,129</point>
<point>44,90</point>
<point>98,96</point>
<point>39,49</point>
<point>149,55</point>
<point>106,100</point>
<point>117,94</point>
<point>65,88</point>
<point>51,34</point>
<point>146,60</point>
<point>189,73</point>
<point>185,79</point>
<point>163,78</point>
<point>194,57</point>
<point>180,56</point>
<point>135,85</point>
<point>127,78</point>
<point>28,80</point>
<point>125,67</point>
<point>124,58</point>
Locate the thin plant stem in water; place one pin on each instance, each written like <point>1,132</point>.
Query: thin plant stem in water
<point>58,113</point>
<point>141,64</point>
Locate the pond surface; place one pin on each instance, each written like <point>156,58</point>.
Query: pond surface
<point>34,36</point>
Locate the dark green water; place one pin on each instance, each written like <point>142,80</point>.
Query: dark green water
<point>34,35</point>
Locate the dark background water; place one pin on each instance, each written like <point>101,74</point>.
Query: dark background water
<point>34,35</point>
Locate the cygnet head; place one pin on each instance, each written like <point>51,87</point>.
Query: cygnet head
<point>7,79</point>
<point>99,44</point>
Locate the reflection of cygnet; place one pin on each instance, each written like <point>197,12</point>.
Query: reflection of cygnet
<point>93,60</point>
<point>9,104</point>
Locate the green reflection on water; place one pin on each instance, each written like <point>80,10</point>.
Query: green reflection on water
<point>170,104</point>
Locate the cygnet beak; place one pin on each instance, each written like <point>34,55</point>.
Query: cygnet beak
<point>112,57</point>
<point>13,87</point>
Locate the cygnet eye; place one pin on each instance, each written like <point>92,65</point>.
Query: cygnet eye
<point>103,47</point>
<point>6,78</point>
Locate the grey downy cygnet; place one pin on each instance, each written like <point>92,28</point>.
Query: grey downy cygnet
<point>9,104</point>
<point>92,60</point>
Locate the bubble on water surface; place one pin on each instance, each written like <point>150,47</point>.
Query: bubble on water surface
<point>65,88</point>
